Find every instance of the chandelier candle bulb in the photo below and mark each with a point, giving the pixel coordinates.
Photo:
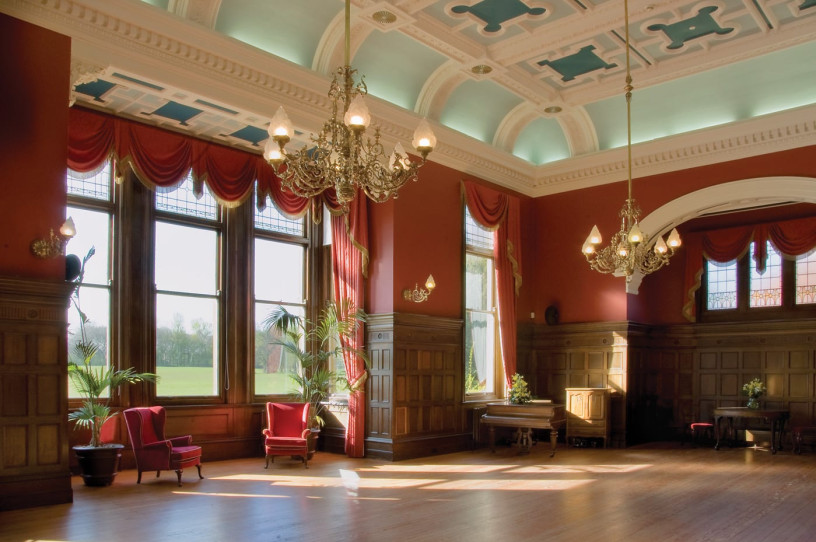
(660, 246)
(424, 138)
(68, 229)
(674, 238)
(357, 117)
(635, 235)
(595, 236)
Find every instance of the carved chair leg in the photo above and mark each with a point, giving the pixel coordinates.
(178, 473)
(139, 477)
(199, 471)
(267, 462)
(157, 473)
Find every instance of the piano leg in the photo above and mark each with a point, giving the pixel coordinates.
(553, 441)
(492, 439)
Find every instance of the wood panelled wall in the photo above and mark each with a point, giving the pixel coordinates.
(554, 358)
(415, 387)
(664, 377)
(33, 406)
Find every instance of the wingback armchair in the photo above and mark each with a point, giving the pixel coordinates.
(155, 452)
(287, 431)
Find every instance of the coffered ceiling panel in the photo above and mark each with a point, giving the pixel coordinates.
(526, 93)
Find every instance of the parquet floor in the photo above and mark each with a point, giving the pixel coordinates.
(651, 493)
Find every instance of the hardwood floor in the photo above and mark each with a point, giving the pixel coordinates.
(659, 492)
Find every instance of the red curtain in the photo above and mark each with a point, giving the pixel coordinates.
(501, 213)
(790, 238)
(350, 267)
(162, 159)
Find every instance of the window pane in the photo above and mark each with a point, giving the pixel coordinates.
(475, 235)
(279, 271)
(92, 230)
(95, 303)
(186, 345)
(806, 279)
(94, 185)
(186, 259)
(273, 366)
(721, 285)
(766, 289)
(270, 219)
(479, 345)
(478, 282)
(181, 200)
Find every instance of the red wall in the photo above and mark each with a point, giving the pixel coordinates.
(33, 144)
(418, 234)
(563, 222)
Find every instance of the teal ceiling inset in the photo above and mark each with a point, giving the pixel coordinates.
(542, 141)
(571, 66)
(476, 108)
(95, 89)
(496, 12)
(251, 134)
(695, 27)
(176, 111)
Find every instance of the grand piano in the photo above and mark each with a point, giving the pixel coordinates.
(540, 414)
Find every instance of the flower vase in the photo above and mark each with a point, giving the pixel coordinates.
(753, 402)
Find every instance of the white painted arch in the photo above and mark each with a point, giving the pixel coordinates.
(731, 196)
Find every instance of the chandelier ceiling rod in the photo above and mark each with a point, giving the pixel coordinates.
(340, 156)
(629, 250)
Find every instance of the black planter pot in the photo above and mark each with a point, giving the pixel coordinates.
(99, 465)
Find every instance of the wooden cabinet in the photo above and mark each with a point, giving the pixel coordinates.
(588, 413)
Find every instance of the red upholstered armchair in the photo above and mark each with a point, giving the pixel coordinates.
(287, 432)
(155, 452)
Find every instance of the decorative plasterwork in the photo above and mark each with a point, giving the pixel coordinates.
(138, 39)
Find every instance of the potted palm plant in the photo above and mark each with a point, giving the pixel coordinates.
(315, 345)
(95, 383)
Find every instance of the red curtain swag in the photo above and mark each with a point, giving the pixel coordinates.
(162, 159)
(349, 265)
(501, 213)
(790, 238)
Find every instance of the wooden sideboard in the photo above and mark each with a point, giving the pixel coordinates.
(588, 413)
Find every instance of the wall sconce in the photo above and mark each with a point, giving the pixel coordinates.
(418, 295)
(55, 244)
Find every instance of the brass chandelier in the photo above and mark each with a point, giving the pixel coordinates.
(340, 155)
(629, 251)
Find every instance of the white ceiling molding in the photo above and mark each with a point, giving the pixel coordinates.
(775, 132)
(138, 39)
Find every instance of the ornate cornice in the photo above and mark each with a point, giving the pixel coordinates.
(137, 38)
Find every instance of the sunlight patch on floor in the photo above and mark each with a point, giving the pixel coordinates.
(221, 494)
(508, 485)
(572, 469)
(437, 468)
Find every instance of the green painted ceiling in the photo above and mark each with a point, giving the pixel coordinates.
(694, 63)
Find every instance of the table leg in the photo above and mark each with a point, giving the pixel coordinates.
(717, 431)
(553, 440)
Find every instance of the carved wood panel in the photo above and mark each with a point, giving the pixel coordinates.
(33, 393)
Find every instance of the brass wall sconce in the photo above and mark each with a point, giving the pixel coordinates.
(55, 244)
(418, 295)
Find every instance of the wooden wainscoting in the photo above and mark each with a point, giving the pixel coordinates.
(33, 389)
(682, 373)
(415, 388)
(554, 358)
(664, 377)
